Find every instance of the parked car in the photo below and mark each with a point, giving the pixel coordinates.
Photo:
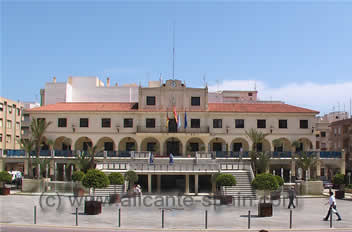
(327, 184)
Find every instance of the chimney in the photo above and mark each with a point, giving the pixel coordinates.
(54, 79)
(108, 82)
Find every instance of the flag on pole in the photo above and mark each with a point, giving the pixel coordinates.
(185, 119)
(175, 115)
(167, 120)
(178, 121)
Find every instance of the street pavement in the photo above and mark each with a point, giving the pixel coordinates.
(52, 210)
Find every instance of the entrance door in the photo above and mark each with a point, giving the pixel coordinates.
(172, 126)
(108, 146)
(217, 146)
(237, 147)
(173, 147)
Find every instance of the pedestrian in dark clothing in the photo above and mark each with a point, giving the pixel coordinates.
(291, 197)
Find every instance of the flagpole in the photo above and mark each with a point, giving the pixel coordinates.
(173, 52)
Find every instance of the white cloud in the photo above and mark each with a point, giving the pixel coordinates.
(316, 96)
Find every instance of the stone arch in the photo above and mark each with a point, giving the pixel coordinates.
(106, 144)
(128, 144)
(173, 145)
(306, 144)
(150, 144)
(83, 143)
(284, 144)
(236, 147)
(217, 144)
(62, 143)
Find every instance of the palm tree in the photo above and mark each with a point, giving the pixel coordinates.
(277, 143)
(256, 137)
(38, 129)
(50, 144)
(262, 163)
(306, 161)
(27, 145)
(92, 151)
(295, 145)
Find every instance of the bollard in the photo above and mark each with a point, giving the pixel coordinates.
(206, 219)
(290, 218)
(119, 220)
(249, 219)
(162, 218)
(76, 216)
(331, 217)
(35, 215)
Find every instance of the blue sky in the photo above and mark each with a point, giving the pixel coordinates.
(297, 51)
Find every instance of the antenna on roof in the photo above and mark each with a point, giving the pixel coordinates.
(217, 85)
(161, 79)
(205, 81)
(173, 51)
(255, 85)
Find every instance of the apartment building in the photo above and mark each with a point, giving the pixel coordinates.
(10, 124)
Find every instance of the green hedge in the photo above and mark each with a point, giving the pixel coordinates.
(95, 179)
(265, 181)
(78, 176)
(226, 180)
(116, 178)
(339, 179)
(5, 177)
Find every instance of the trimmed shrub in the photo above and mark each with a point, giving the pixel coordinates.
(77, 176)
(226, 180)
(339, 179)
(95, 179)
(116, 178)
(131, 177)
(279, 180)
(265, 181)
(5, 177)
(349, 186)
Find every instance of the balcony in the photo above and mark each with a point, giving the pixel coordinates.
(330, 155)
(162, 129)
(144, 167)
(231, 154)
(284, 154)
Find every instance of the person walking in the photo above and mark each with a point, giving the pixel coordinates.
(171, 158)
(332, 203)
(291, 197)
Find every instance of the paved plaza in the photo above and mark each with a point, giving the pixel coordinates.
(16, 209)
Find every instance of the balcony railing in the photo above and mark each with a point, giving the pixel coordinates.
(330, 154)
(282, 154)
(174, 167)
(231, 154)
(163, 129)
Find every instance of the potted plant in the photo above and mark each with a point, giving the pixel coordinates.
(77, 177)
(5, 178)
(225, 180)
(94, 179)
(132, 178)
(339, 180)
(115, 178)
(275, 195)
(265, 182)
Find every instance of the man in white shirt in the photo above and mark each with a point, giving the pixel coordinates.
(332, 203)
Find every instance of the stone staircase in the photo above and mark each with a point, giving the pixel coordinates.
(111, 189)
(243, 189)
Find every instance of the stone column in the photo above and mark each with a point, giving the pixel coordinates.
(343, 162)
(318, 168)
(158, 183)
(196, 184)
(161, 148)
(213, 187)
(293, 170)
(1, 164)
(149, 183)
(187, 183)
(25, 167)
(52, 169)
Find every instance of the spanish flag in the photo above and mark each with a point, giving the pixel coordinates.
(175, 115)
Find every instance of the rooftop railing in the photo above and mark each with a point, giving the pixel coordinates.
(163, 129)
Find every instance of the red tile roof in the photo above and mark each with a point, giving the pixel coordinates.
(258, 108)
(212, 107)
